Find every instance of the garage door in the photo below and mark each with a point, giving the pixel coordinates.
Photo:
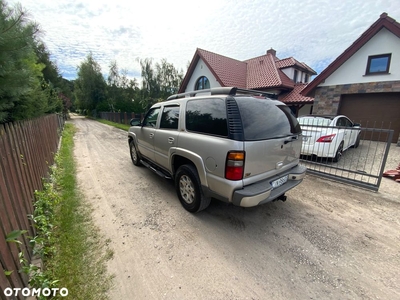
(377, 110)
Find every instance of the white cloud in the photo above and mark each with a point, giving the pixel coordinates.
(314, 32)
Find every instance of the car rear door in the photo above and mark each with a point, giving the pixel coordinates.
(167, 135)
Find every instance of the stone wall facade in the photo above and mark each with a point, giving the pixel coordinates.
(327, 98)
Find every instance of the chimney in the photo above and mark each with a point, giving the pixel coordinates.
(271, 51)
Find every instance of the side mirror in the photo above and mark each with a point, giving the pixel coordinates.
(356, 125)
(134, 122)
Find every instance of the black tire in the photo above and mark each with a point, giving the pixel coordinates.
(135, 155)
(357, 143)
(339, 153)
(188, 189)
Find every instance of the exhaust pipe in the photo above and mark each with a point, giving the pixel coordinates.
(282, 197)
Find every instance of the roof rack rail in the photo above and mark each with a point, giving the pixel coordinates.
(232, 91)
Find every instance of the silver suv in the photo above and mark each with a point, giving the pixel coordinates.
(234, 145)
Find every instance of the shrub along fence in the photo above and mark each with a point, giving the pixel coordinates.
(120, 117)
(27, 150)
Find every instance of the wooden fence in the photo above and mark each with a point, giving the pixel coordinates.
(27, 150)
(120, 117)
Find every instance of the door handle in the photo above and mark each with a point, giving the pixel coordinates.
(171, 140)
(151, 135)
(291, 139)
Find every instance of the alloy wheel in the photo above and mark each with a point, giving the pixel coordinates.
(187, 189)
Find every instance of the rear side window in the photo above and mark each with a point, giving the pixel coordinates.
(207, 116)
(264, 119)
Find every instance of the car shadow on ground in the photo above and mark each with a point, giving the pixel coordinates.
(227, 215)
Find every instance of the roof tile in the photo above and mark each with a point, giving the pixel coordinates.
(291, 62)
(229, 72)
(262, 72)
(294, 95)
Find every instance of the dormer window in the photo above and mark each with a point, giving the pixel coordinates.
(378, 64)
(295, 76)
(306, 78)
(202, 83)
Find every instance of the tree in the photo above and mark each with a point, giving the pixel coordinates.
(20, 73)
(90, 86)
(121, 91)
(50, 71)
(118, 92)
(65, 89)
(52, 78)
(113, 89)
(168, 78)
(129, 91)
(29, 81)
(150, 89)
(158, 83)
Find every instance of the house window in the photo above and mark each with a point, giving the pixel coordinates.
(202, 83)
(295, 76)
(306, 78)
(378, 64)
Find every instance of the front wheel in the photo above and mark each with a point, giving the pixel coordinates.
(357, 143)
(188, 189)
(135, 155)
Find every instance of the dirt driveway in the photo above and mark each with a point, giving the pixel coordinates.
(327, 241)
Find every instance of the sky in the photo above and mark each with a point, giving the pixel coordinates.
(312, 31)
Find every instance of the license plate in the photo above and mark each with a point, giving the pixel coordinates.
(279, 182)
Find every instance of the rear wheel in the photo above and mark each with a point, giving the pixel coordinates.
(135, 155)
(339, 153)
(188, 189)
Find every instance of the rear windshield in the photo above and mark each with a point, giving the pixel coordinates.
(266, 119)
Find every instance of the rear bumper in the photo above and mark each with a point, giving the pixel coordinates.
(319, 149)
(262, 192)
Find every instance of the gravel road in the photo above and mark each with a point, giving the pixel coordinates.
(327, 241)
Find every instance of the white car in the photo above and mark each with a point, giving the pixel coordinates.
(328, 136)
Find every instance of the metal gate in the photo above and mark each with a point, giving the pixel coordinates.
(362, 166)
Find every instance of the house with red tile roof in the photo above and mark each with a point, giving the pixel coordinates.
(364, 81)
(284, 77)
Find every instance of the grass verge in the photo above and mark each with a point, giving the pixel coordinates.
(81, 253)
(117, 125)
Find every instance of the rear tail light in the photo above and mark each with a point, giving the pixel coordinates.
(234, 166)
(326, 138)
